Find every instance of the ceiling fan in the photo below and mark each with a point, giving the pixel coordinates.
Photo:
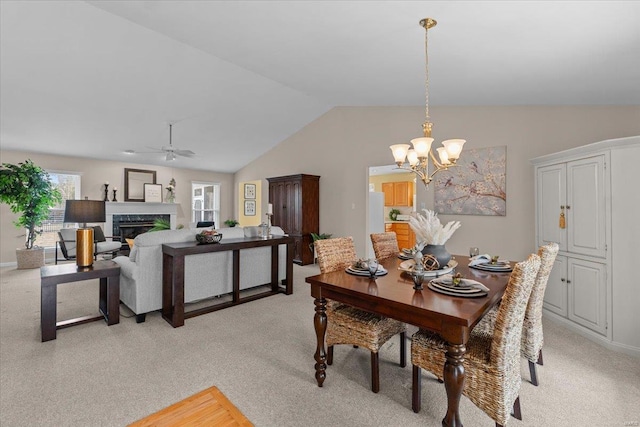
(170, 151)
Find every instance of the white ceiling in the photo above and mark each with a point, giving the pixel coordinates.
(96, 78)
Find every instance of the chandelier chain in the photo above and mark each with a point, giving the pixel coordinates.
(426, 61)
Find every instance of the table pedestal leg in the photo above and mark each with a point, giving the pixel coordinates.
(454, 383)
(320, 324)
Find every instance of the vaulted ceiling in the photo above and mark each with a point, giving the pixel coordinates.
(97, 78)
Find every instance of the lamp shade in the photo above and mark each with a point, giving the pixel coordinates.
(83, 211)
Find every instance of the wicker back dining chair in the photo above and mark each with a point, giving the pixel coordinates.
(385, 245)
(532, 336)
(492, 361)
(350, 325)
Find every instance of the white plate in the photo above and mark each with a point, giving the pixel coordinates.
(493, 267)
(456, 289)
(446, 291)
(364, 272)
(408, 267)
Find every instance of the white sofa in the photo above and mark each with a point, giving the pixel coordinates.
(206, 275)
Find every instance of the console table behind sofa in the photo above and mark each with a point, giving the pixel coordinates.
(206, 274)
(173, 262)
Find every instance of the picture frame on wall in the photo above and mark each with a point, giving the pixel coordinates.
(249, 207)
(153, 193)
(249, 191)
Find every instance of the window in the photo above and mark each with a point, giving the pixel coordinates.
(205, 202)
(68, 183)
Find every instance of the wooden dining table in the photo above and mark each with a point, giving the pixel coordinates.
(392, 295)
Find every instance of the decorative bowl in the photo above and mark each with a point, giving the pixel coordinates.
(208, 238)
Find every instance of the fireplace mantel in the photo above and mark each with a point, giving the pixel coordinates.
(129, 208)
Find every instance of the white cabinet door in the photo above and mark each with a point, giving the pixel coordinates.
(555, 296)
(551, 194)
(586, 207)
(587, 286)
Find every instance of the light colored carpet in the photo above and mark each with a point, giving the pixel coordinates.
(260, 355)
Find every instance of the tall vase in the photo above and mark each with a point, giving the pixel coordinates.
(439, 252)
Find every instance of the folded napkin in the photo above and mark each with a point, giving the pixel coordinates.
(380, 270)
(447, 280)
(479, 259)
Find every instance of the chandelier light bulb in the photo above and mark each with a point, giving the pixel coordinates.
(444, 156)
(454, 147)
(400, 152)
(422, 146)
(412, 157)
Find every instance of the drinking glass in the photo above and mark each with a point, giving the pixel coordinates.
(373, 266)
(473, 251)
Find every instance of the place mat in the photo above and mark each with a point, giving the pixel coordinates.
(209, 407)
(456, 292)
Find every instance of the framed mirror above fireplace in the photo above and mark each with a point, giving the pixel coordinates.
(134, 181)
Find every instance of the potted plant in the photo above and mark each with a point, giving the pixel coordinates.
(231, 223)
(28, 191)
(161, 224)
(315, 237)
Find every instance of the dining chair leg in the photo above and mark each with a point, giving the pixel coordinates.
(533, 373)
(416, 389)
(403, 350)
(517, 414)
(330, 355)
(375, 372)
(540, 358)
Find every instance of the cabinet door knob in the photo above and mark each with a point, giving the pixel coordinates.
(568, 207)
(563, 280)
(568, 281)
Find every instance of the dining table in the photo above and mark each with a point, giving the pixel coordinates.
(393, 295)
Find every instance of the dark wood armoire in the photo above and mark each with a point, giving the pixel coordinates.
(296, 209)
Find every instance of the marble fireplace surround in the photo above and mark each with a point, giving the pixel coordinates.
(139, 208)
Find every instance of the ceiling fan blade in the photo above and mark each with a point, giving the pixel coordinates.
(186, 153)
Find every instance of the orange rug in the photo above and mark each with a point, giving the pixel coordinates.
(207, 408)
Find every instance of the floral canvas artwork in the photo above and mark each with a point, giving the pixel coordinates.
(476, 186)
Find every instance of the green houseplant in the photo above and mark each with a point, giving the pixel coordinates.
(28, 190)
(231, 223)
(161, 224)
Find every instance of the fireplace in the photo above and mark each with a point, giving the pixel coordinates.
(128, 219)
(129, 226)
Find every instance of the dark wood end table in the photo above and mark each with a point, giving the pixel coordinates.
(52, 275)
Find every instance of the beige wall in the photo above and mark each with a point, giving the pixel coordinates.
(342, 144)
(95, 173)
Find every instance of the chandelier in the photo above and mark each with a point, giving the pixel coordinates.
(416, 159)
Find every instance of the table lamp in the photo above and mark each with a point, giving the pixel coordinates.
(82, 212)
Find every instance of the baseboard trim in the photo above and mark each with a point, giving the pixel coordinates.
(593, 336)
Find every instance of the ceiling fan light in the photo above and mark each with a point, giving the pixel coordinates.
(170, 156)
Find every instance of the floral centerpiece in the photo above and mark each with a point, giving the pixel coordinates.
(431, 235)
(171, 191)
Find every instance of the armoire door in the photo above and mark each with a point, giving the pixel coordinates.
(586, 201)
(588, 294)
(555, 295)
(551, 204)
